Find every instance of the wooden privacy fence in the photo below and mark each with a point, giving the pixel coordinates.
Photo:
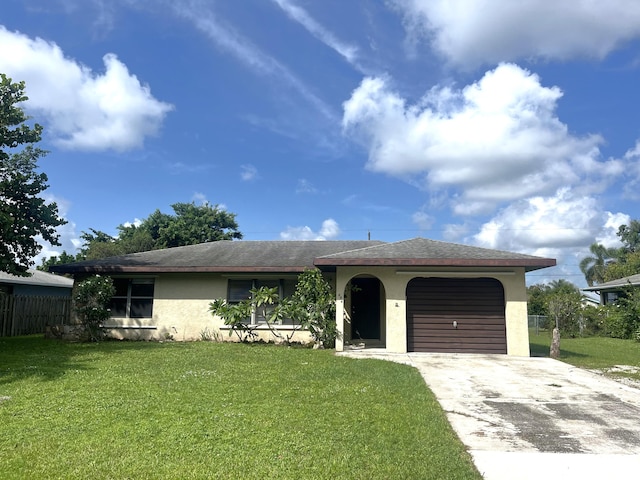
(25, 315)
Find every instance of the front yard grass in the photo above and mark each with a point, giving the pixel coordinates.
(595, 353)
(208, 410)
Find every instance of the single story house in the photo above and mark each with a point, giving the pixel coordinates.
(611, 291)
(38, 283)
(411, 295)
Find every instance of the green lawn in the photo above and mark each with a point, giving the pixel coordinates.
(206, 410)
(601, 353)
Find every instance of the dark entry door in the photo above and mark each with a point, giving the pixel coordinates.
(365, 308)
(456, 315)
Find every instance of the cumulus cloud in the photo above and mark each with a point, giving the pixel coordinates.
(329, 230)
(469, 33)
(494, 141)
(82, 109)
(608, 235)
(566, 220)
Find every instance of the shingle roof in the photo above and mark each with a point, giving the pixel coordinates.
(221, 256)
(425, 252)
(295, 256)
(37, 278)
(633, 280)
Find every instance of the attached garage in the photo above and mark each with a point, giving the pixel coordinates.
(464, 315)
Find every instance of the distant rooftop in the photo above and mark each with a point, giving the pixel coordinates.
(37, 278)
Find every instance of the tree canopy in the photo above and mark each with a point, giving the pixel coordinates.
(189, 225)
(606, 264)
(24, 216)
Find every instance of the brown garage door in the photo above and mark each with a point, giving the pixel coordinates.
(456, 315)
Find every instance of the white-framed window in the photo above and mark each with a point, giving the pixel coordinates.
(133, 298)
(240, 289)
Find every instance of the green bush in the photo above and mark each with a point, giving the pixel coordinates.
(91, 302)
(593, 321)
(623, 317)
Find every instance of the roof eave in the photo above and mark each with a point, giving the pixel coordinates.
(529, 264)
(137, 269)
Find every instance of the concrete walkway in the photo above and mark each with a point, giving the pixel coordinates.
(533, 418)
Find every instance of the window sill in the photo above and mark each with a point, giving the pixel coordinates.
(262, 327)
(131, 327)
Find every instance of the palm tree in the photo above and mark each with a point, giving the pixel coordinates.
(593, 267)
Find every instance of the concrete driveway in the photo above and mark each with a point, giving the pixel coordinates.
(534, 418)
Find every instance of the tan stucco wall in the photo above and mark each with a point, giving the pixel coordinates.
(395, 282)
(181, 310)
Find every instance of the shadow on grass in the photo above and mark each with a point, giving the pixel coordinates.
(539, 346)
(49, 359)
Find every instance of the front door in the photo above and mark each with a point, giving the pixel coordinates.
(365, 309)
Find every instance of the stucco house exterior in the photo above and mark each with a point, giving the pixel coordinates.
(411, 295)
(610, 291)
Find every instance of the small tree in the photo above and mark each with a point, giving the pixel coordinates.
(564, 307)
(91, 302)
(237, 316)
(313, 305)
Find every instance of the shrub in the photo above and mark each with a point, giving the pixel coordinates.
(623, 317)
(91, 303)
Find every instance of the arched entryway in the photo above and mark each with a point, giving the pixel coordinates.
(366, 311)
(465, 315)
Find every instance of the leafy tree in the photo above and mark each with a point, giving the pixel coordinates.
(23, 214)
(63, 258)
(190, 225)
(593, 267)
(91, 302)
(564, 307)
(313, 305)
(630, 236)
(627, 266)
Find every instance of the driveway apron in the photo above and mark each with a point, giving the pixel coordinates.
(534, 418)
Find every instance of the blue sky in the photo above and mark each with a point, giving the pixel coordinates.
(514, 128)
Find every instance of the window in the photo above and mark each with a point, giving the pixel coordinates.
(239, 290)
(133, 298)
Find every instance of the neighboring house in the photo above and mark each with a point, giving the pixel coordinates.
(611, 291)
(29, 304)
(38, 283)
(412, 295)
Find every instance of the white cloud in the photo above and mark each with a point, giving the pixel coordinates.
(305, 186)
(423, 220)
(632, 168)
(240, 47)
(608, 235)
(493, 141)
(68, 237)
(470, 33)
(300, 15)
(199, 198)
(248, 173)
(136, 223)
(329, 229)
(454, 232)
(83, 109)
(567, 221)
